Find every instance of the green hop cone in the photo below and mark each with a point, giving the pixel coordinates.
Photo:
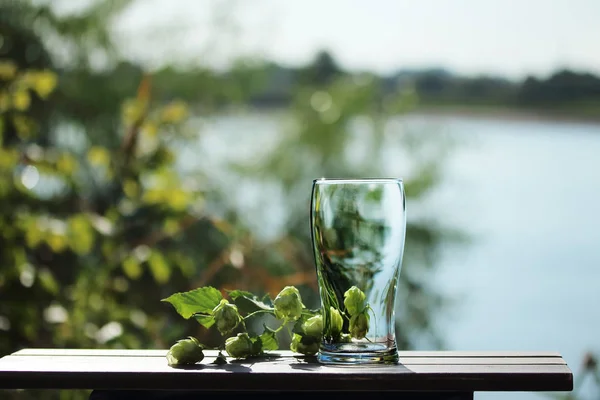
(314, 326)
(308, 345)
(359, 325)
(239, 346)
(226, 317)
(185, 351)
(354, 301)
(336, 322)
(288, 304)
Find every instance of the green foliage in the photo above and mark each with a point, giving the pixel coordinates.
(97, 216)
(201, 303)
(268, 339)
(92, 206)
(287, 309)
(198, 301)
(75, 226)
(247, 302)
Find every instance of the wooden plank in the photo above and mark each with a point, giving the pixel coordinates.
(280, 373)
(287, 353)
(95, 352)
(403, 360)
(408, 358)
(280, 365)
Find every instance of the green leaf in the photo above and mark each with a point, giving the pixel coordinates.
(197, 301)
(246, 302)
(159, 267)
(80, 234)
(98, 156)
(234, 294)
(48, 281)
(205, 320)
(269, 339)
(132, 268)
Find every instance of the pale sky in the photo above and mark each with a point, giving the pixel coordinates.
(512, 38)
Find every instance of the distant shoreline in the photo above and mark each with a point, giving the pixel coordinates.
(505, 113)
(468, 111)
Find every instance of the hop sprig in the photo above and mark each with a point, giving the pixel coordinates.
(208, 307)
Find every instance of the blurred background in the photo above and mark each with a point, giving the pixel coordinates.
(149, 147)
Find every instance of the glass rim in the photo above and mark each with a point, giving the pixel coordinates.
(357, 180)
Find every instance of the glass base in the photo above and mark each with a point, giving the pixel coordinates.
(357, 354)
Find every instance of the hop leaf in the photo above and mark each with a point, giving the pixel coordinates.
(248, 302)
(268, 339)
(199, 301)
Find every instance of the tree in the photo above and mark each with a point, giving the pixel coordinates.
(323, 70)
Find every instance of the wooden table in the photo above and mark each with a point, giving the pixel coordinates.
(145, 374)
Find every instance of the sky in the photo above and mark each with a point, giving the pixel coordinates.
(511, 38)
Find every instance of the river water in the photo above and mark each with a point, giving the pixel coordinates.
(528, 194)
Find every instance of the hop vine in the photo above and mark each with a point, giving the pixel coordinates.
(305, 326)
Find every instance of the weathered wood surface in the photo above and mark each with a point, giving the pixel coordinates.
(417, 372)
